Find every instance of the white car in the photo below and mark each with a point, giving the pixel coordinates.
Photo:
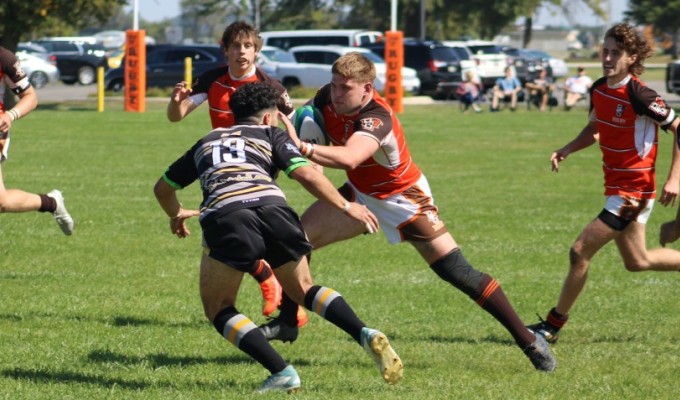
(559, 67)
(274, 61)
(318, 60)
(489, 58)
(39, 71)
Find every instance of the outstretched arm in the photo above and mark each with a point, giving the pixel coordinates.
(167, 198)
(180, 104)
(586, 138)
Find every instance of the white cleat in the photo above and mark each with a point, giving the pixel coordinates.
(377, 346)
(62, 216)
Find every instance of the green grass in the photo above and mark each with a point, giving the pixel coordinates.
(114, 312)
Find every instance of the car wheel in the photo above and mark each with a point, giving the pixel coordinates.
(116, 85)
(290, 83)
(86, 75)
(38, 79)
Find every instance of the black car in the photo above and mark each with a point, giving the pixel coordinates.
(527, 63)
(437, 65)
(77, 61)
(165, 64)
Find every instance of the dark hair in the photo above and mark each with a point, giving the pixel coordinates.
(629, 39)
(252, 98)
(241, 29)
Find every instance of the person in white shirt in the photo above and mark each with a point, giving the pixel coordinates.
(576, 88)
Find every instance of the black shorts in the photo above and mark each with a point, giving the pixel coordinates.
(273, 233)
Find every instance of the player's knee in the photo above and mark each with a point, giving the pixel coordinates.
(456, 270)
(636, 266)
(220, 320)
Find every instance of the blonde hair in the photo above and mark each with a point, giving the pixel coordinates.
(354, 65)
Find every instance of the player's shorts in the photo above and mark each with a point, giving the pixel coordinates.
(239, 238)
(620, 210)
(410, 215)
(4, 145)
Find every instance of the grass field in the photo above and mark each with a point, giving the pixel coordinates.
(113, 312)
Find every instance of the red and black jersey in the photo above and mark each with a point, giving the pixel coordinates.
(391, 169)
(11, 73)
(627, 116)
(217, 86)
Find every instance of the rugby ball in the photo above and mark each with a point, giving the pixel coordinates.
(310, 126)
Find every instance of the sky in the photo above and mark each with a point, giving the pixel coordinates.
(157, 10)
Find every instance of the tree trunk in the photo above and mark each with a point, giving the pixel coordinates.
(526, 38)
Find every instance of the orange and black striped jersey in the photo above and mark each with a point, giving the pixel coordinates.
(628, 116)
(391, 169)
(217, 85)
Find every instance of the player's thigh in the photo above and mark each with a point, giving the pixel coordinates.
(433, 250)
(325, 224)
(632, 245)
(593, 237)
(219, 284)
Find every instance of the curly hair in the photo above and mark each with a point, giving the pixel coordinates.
(252, 98)
(629, 39)
(241, 29)
(354, 65)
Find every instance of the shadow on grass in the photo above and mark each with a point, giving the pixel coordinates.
(162, 360)
(70, 377)
(115, 320)
(459, 339)
(68, 106)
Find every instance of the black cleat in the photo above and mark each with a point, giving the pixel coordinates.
(545, 330)
(279, 330)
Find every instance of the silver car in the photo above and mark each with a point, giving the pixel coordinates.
(39, 71)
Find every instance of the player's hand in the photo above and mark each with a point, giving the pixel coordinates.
(5, 122)
(668, 233)
(178, 225)
(556, 158)
(290, 129)
(669, 194)
(362, 214)
(180, 92)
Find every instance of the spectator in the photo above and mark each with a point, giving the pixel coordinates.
(470, 92)
(506, 89)
(540, 89)
(576, 88)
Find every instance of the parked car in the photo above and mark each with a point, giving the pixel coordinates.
(302, 37)
(39, 71)
(436, 65)
(321, 59)
(165, 64)
(77, 58)
(38, 51)
(467, 63)
(526, 65)
(490, 60)
(273, 59)
(673, 77)
(558, 66)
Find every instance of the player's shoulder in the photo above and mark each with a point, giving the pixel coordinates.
(210, 76)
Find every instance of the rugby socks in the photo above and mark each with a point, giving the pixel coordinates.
(47, 204)
(240, 331)
(492, 299)
(288, 313)
(555, 319)
(330, 305)
(262, 272)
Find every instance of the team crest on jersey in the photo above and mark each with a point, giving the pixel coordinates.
(658, 106)
(17, 67)
(286, 100)
(619, 110)
(370, 124)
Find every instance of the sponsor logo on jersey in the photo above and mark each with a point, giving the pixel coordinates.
(619, 110)
(658, 106)
(370, 124)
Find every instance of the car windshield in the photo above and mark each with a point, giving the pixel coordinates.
(278, 55)
(443, 53)
(462, 53)
(485, 49)
(375, 59)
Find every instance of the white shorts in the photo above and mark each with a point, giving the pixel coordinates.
(630, 208)
(409, 215)
(4, 146)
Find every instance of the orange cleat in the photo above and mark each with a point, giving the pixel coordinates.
(301, 317)
(271, 294)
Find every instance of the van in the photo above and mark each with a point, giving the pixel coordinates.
(341, 37)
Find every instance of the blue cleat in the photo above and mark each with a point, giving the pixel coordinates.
(286, 380)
